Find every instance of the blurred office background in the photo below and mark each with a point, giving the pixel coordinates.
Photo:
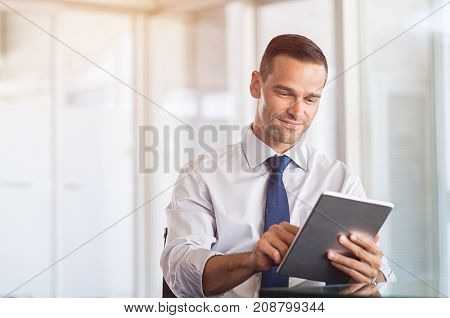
(78, 78)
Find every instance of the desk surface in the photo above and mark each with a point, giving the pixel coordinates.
(397, 289)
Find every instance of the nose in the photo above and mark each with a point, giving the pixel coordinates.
(297, 107)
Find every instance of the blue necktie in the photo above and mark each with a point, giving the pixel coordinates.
(277, 211)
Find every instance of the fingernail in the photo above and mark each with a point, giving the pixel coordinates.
(341, 238)
(330, 255)
(353, 237)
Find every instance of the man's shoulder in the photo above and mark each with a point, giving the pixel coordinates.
(322, 160)
(215, 158)
(339, 175)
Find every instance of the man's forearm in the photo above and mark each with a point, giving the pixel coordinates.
(224, 272)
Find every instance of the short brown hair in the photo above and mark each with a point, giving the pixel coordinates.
(294, 45)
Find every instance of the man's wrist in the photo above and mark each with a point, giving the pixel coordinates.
(249, 262)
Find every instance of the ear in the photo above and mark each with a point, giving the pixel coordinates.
(255, 85)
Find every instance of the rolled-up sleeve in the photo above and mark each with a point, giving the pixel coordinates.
(191, 235)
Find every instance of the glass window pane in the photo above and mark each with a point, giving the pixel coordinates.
(25, 147)
(401, 111)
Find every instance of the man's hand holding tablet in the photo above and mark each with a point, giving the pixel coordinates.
(368, 262)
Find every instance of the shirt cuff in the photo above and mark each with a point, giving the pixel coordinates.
(188, 280)
(387, 271)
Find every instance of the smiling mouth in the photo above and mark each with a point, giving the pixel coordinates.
(290, 124)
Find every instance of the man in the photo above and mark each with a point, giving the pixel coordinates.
(230, 226)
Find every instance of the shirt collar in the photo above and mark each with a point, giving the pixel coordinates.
(257, 152)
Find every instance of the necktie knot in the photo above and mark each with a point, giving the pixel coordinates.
(278, 163)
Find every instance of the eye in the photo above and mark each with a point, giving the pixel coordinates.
(283, 93)
(311, 100)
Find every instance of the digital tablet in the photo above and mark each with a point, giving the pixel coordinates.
(333, 214)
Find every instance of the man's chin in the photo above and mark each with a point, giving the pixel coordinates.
(290, 137)
(289, 140)
(285, 136)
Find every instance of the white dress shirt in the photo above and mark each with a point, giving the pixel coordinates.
(218, 207)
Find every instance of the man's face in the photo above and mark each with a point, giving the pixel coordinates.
(288, 100)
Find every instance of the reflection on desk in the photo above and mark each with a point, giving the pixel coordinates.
(397, 289)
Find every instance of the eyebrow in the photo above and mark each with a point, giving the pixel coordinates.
(290, 90)
(314, 95)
